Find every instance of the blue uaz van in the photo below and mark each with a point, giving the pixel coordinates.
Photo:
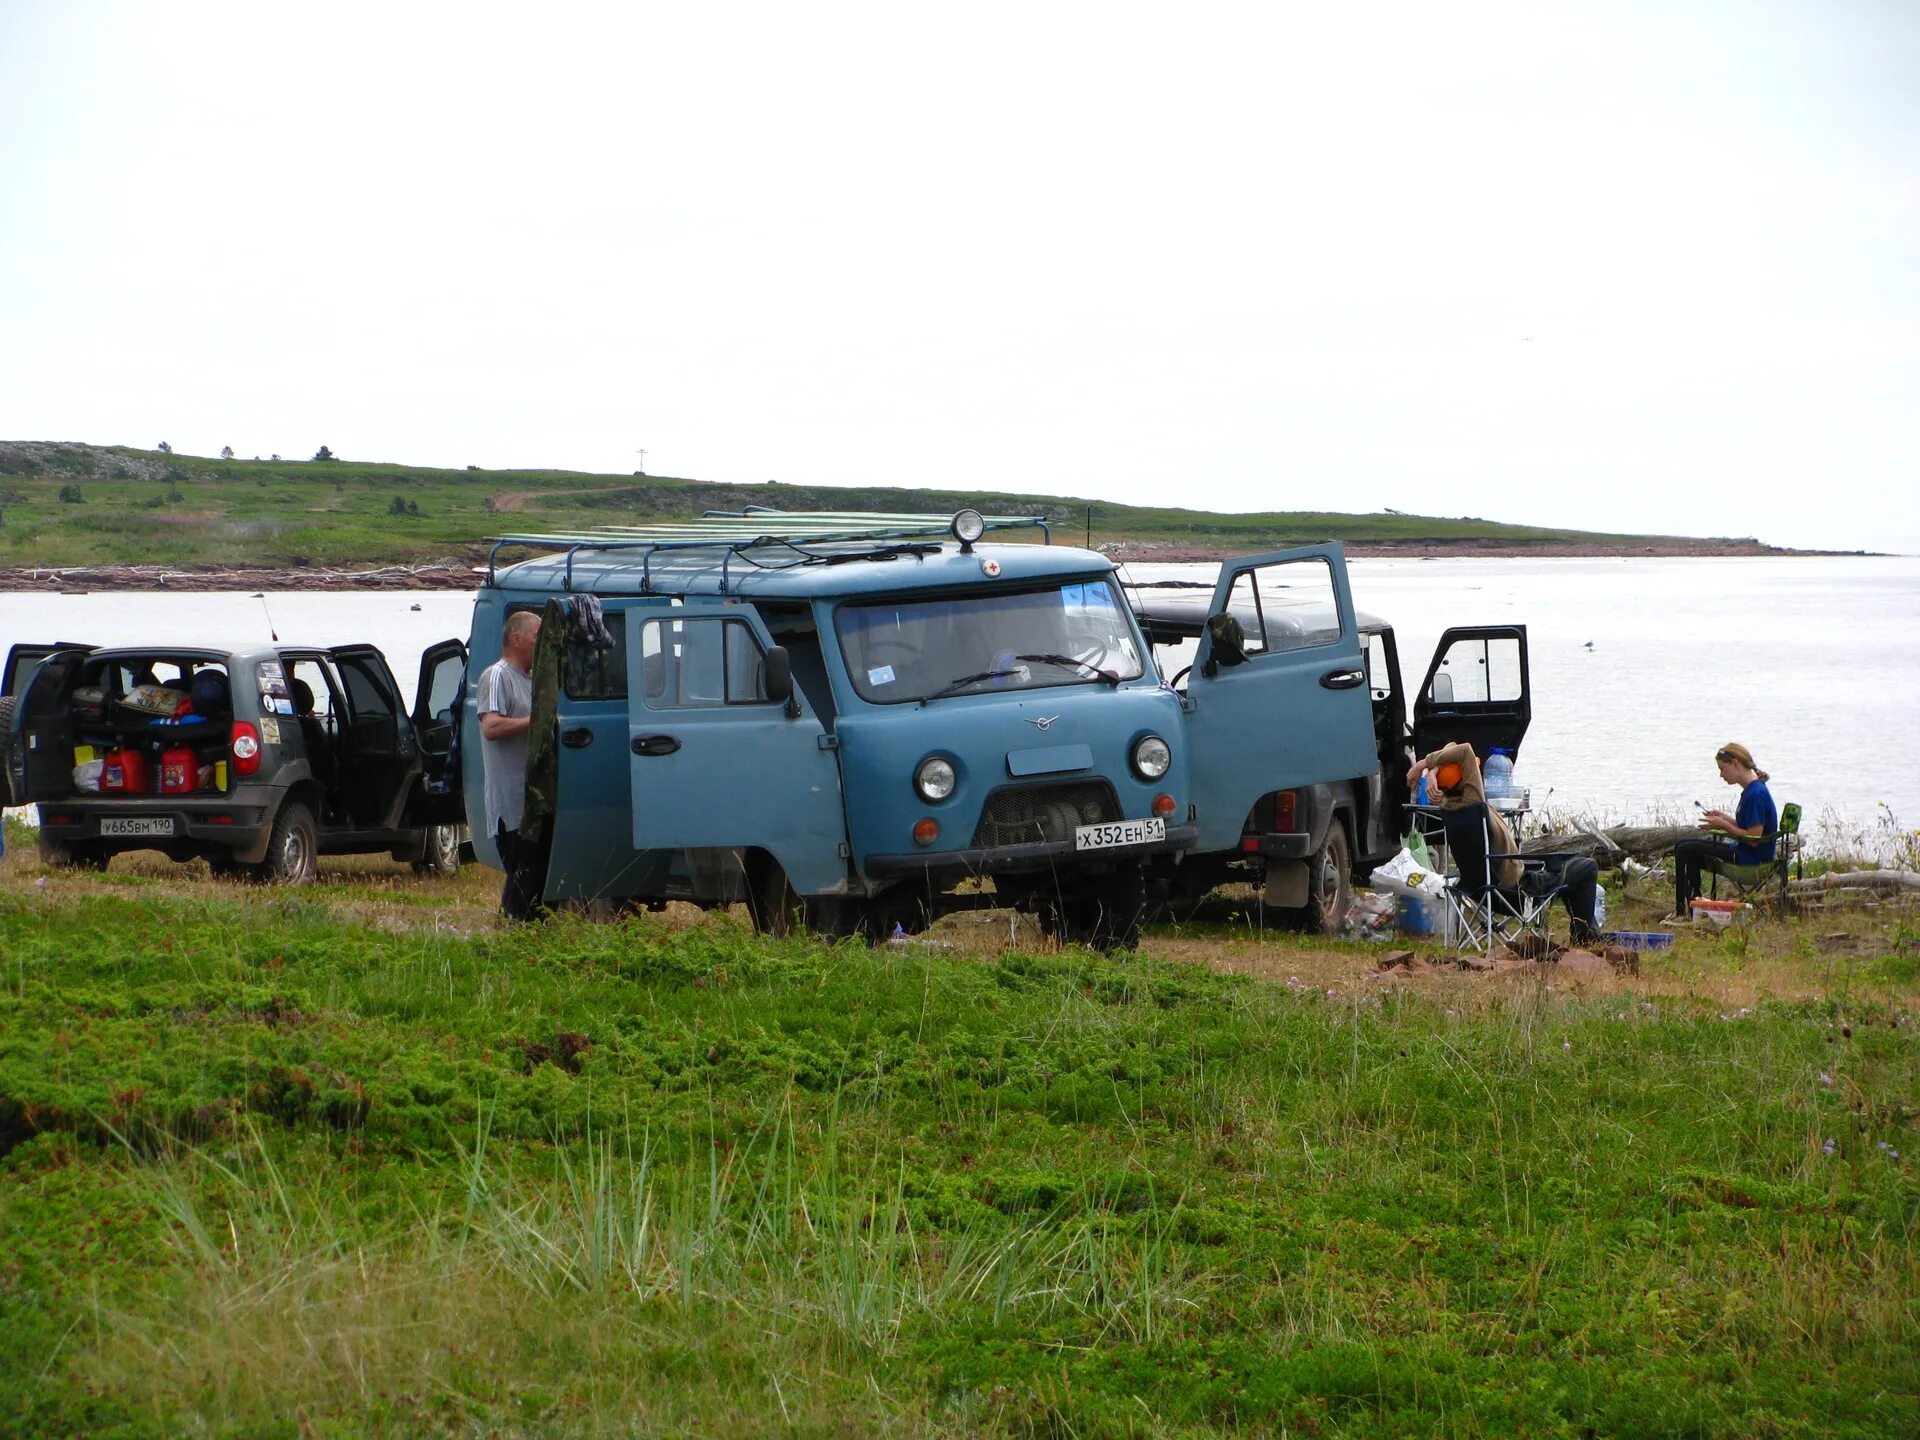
(852, 723)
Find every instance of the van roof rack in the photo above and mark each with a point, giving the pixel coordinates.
(732, 533)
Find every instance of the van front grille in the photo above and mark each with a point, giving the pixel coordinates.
(1031, 814)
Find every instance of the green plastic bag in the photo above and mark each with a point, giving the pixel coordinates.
(1416, 844)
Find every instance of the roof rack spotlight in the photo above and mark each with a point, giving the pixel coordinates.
(968, 526)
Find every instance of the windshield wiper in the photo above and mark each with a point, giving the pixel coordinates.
(966, 680)
(1112, 677)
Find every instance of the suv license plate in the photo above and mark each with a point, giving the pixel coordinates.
(160, 825)
(1119, 832)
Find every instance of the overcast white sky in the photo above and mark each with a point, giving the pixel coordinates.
(1612, 265)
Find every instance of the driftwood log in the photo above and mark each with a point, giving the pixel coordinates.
(1856, 880)
(1642, 842)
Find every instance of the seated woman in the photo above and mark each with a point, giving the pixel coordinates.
(1456, 775)
(1741, 841)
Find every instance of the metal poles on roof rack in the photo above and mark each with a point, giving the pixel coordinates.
(735, 532)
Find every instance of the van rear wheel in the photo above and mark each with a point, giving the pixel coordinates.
(1329, 888)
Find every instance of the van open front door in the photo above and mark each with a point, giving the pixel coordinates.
(1476, 690)
(1287, 704)
(716, 760)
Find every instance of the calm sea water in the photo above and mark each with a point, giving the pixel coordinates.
(1814, 664)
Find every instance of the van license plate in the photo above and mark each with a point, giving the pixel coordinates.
(162, 825)
(1119, 832)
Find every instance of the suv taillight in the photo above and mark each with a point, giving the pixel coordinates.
(1283, 807)
(246, 748)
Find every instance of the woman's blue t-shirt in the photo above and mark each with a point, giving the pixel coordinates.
(1756, 808)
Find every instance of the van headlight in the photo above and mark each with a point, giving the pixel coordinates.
(934, 779)
(1151, 757)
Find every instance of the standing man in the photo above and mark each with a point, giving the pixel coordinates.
(505, 700)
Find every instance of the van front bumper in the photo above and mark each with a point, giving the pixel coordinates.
(1011, 859)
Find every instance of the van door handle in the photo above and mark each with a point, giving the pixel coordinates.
(655, 744)
(577, 738)
(1343, 679)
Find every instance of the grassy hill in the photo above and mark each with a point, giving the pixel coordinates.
(70, 505)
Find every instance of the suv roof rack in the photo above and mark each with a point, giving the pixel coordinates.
(732, 533)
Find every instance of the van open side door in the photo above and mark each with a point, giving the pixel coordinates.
(1288, 704)
(591, 854)
(716, 760)
(1476, 690)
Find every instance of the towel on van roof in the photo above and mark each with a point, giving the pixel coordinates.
(586, 623)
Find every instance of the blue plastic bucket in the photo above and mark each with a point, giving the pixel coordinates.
(1640, 939)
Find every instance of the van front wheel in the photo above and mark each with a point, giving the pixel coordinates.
(776, 907)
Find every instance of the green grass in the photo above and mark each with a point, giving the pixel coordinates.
(268, 1174)
(145, 507)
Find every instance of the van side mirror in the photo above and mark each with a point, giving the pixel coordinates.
(779, 678)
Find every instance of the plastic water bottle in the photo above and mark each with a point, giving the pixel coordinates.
(1599, 907)
(1420, 795)
(1498, 774)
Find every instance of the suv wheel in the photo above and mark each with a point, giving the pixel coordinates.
(441, 852)
(292, 850)
(74, 855)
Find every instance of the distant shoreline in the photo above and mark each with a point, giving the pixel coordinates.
(449, 574)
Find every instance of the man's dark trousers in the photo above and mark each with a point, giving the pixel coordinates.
(526, 867)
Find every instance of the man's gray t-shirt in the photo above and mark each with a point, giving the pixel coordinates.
(505, 691)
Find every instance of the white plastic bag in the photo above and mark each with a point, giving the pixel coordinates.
(86, 776)
(1404, 875)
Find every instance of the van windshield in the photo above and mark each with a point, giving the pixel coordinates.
(921, 649)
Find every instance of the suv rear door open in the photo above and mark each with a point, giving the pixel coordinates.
(1295, 710)
(1476, 690)
(23, 659)
(40, 759)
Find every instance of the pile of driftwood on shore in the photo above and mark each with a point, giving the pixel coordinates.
(430, 575)
(1647, 843)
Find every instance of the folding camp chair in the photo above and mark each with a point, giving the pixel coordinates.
(1484, 912)
(1770, 879)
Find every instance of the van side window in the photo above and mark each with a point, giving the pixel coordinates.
(587, 674)
(702, 662)
(1288, 606)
